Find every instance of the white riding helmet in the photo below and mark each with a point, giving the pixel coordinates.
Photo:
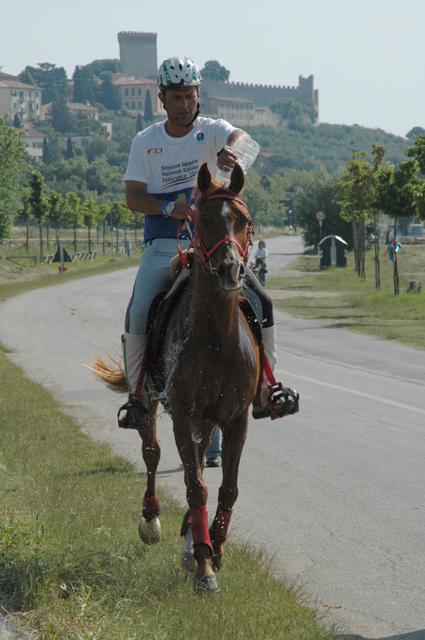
(178, 72)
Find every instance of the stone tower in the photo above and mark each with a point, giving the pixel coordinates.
(138, 55)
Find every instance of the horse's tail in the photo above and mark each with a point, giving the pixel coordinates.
(111, 374)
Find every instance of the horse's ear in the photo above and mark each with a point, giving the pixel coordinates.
(237, 181)
(204, 178)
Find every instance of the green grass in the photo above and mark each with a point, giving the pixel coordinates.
(72, 565)
(347, 302)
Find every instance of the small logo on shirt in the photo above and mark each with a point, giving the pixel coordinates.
(200, 137)
(155, 150)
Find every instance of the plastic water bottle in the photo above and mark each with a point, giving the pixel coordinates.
(246, 150)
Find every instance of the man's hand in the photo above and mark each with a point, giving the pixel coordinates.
(184, 211)
(226, 160)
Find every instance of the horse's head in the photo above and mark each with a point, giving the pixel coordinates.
(223, 228)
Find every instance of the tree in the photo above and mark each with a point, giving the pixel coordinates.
(26, 78)
(109, 94)
(417, 151)
(318, 194)
(85, 85)
(51, 150)
(104, 212)
(17, 121)
(397, 196)
(90, 214)
(148, 115)
(356, 197)
(72, 214)
(122, 216)
(13, 160)
(213, 70)
(96, 147)
(294, 112)
(69, 152)
(53, 80)
(25, 213)
(55, 201)
(139, 123)
(39, 203)
(416, 131)
(59, 116)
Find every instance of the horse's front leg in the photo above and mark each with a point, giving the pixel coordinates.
(192, 445)
(150, 526)
(233, 442)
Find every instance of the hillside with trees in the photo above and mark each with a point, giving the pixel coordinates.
(304, 147)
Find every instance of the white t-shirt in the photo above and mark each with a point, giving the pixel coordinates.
(261, 253)
(169, 166)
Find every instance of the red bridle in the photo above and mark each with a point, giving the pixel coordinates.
(198, 243)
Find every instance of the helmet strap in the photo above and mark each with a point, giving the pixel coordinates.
(198, 109)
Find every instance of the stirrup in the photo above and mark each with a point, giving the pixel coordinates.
(136, 415)
(283, 401)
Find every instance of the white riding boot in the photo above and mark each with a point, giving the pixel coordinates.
(133, 352)
(134, 413)
(269, 343)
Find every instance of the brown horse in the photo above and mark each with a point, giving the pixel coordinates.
(210, 364)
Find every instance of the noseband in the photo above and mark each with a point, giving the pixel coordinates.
(198, 243)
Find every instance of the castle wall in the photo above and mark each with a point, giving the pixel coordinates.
(138, 54)
(263, 95)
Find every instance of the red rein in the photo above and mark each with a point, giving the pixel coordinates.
(199, 246)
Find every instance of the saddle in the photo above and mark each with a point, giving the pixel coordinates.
(160, 313)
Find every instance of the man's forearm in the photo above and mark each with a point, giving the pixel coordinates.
(139, 200)
(236, 135)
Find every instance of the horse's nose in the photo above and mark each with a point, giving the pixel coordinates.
(231, 275)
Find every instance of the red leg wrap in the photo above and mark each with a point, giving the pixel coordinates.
(151, 507)
(199, 524)
(222, 526)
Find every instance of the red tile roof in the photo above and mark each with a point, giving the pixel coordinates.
(15, 84)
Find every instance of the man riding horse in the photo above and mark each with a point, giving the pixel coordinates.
(160, 182)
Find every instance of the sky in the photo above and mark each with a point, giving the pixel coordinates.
(367, 56)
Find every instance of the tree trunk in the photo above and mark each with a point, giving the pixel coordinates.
(377, 263)
(75, 238)
(89, 237)
(355, 245)
(362, 250)
(41, 242)
(396, 278)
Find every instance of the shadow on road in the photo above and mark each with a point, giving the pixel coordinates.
(413, 635)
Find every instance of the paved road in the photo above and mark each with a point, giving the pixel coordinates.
(336, 492)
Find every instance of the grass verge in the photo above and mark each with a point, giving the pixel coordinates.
(15, 280)
(71, 564)
(340, 298)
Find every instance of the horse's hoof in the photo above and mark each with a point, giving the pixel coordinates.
(216, 563)
(150, 532)
(188, 561)
(207, 584)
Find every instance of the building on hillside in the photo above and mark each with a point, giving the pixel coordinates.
(7, 76)
(138, 58)
(133, 94)
(264, 95)
(33, 140)
(83, 110)
(22, 99)
(138, 54)
(238, 111)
